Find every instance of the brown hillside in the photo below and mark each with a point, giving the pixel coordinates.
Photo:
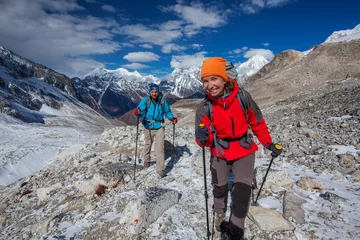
(326, 64)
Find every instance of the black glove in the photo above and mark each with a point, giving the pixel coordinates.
(276, 149)
(202, 134)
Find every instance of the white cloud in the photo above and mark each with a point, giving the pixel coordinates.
(186, 61)
(171, 25)
(135, 66)
(141, 57)
(143, 34)
(193, 19)
(46, 32)
(277, 3)
(170, 47)
(266, 53)
(59, 6)
(254, 6)
(81, 66)
(197, 16)
(108, 8)
(259, 3)
(265, 44)
(238, 50)
(126, 44)
(146, 45)
(196, 46)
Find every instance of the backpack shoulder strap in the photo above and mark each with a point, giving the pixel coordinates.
(162, 102)
(243, 102)
(208, 108)
(209, 112)
(148, 102)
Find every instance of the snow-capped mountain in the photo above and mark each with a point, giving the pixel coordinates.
(113, 92)
(250, 67)
(344, 35)
(39, 116)
(34, 93)
(187, 81)
(19, 68)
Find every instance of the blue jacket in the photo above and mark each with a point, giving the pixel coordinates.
(153, 117)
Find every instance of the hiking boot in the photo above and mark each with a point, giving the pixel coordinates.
(234, 232)
(146, 164)
(162, 174)
(219, 220)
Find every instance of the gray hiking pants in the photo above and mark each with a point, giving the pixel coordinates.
(243, 170)
(158, 136)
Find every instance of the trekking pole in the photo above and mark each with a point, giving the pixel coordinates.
(279, 147)
(172, 159)
(136, 141)
(174, 135)
(262, 184)
(213, 224)
(205, 188)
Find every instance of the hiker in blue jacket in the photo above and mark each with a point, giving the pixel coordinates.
(152, 109)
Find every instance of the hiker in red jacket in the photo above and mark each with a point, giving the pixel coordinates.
(225, 130)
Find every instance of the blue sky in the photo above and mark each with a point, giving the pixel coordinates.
(154, 37)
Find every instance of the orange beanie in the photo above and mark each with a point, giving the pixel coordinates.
(214, 66)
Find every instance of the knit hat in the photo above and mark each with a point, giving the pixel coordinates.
(214, 66)
(153, 86)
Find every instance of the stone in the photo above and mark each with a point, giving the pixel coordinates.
(43, 193)
(146, 208)
(356, 175)
(269, 220)
(293, 207)
(307, 183)
(346, 160)
(332, 197)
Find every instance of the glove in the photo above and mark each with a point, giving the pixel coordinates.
(137, 111)
(276, 149)
(174, 120)
(202, 134)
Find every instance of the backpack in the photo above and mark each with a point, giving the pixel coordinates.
(231, 71)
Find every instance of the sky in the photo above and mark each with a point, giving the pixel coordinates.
(155, 37)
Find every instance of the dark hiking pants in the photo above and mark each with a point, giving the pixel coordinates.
(242, 169)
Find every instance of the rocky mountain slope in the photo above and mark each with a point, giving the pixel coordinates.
(40, 114)
(291, 73)
(93, 190)
(89, 192)
(312, 191)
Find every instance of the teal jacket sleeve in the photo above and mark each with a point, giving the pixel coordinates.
(169, 115)
(142, 107)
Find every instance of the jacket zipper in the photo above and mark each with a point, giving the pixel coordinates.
(153, 117)
(232, 126)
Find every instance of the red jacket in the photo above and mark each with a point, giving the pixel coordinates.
(230, 122)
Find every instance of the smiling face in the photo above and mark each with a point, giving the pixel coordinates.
(214, 85)
(154, 94)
